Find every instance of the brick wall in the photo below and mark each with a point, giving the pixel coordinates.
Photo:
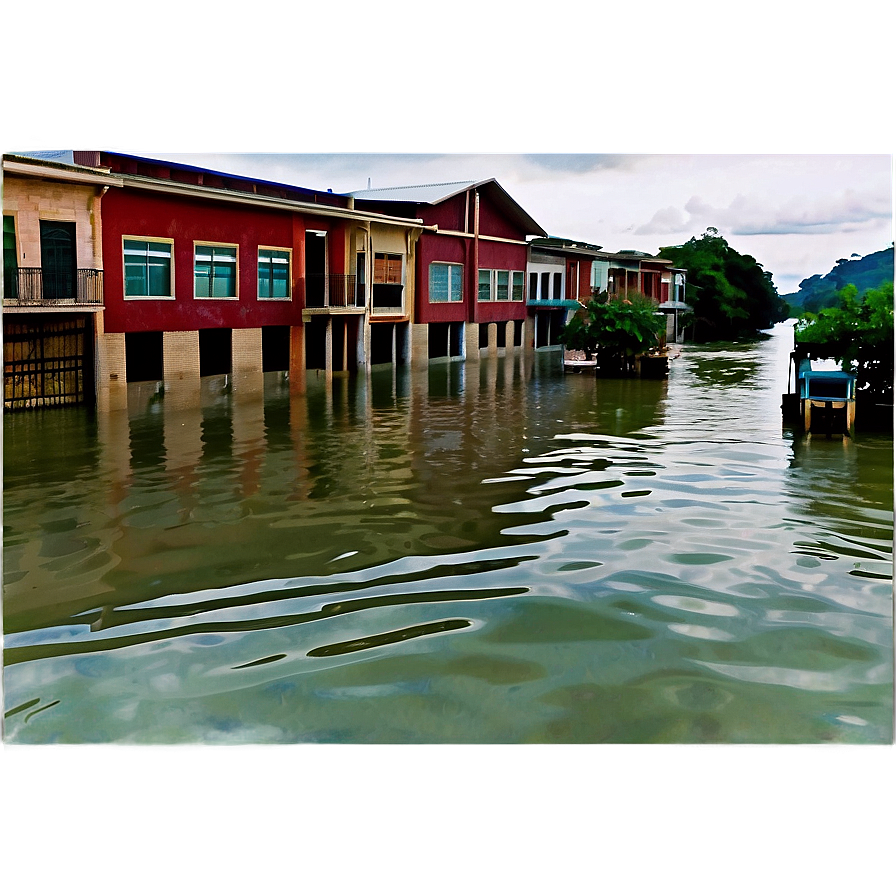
(30, 201)
(245, 351)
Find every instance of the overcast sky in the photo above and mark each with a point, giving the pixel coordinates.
(368, 92)
(796, 214)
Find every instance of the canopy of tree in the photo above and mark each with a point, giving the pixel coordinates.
(615, 330)
(732, 296)
(817, 292)
(858, 333)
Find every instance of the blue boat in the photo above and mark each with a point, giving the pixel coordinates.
(826, 398)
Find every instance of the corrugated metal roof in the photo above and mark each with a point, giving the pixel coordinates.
(428, 193)
(64, 156)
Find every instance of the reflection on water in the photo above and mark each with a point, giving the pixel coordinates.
(493, 553)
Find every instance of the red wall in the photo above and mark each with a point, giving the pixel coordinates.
(497, 255)
(142, 214)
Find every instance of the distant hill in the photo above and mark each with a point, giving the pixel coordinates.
(819, 291)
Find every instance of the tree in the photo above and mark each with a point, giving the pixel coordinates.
(858, 334)
(616, 330)
(732, 296)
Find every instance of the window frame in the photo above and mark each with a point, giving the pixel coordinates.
(212, 244)
(258, 296)
(491, 285)
(141, 238)
(449, 265)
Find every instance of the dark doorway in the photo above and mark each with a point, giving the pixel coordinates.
(215, 351)
(316, 344)
(315, 269)
(143, 356)
(274, 348)
(10, 263)
(58, 259)
(382, 343)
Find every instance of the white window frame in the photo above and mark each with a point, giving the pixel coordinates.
(212, 244)
(258, 251)
(491, 285)
(124, 275)
(450, 300)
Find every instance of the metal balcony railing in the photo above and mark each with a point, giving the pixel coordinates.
(333, 291)
(39, 287)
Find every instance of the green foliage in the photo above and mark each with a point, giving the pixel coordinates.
(858, 333)
(615, 331)
(817, 292)
(732, 296)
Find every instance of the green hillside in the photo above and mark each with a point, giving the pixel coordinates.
(819, 291)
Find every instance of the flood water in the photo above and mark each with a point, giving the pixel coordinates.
(490, 554)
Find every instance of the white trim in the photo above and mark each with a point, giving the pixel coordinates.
(482, 236)
(449, 265)
(215, 244)
(47, 173)
(124, 276)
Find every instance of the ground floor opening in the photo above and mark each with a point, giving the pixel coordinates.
(48, 360)
(445, 340)
(215, 351)
(143, 356)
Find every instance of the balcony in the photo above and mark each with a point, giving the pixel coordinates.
(326, 292)
(387, 299)
(36, 287)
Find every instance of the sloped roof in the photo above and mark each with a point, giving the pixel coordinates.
(432, 194)
(428, 194)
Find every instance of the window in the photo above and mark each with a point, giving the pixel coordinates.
(147, 268)
(215, 272)
(503, 281)
(387, 293)
(386, 268)
(558, 286)
(273, 273)
(485, 285)
(495, 286)
(10, 263)
(446, 282)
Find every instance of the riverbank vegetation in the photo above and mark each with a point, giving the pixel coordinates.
(615, 331)
(858, 334)
(817, 292)
(730, 294)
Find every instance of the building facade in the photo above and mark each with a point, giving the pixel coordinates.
(470, 296)
(212, 274)
(53, 278)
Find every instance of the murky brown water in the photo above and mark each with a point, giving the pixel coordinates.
(494, 555)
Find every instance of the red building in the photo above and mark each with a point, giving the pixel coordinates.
(470, 266)
(208, 273)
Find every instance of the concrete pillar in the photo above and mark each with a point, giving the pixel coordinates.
(493, 340)
(297, 376)
(419, 345)
(509, 332)
(245, 351)
(180, 361)
(111, 370)
(328, 363)
(471, 342)
(529, 333)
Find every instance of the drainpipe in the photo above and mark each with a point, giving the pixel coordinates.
(474, 293)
